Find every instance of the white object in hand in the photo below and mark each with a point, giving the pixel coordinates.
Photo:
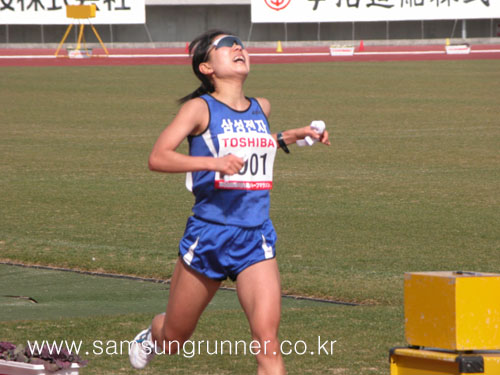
(318, 127)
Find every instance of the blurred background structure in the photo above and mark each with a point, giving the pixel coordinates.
(173, 22)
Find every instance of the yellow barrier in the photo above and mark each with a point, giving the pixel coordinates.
(452, 323)
(452, 310)
(407, 361)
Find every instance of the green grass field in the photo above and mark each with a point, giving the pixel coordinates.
(410, 183)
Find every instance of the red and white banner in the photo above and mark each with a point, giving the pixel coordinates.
(53, 12)
(298, 11)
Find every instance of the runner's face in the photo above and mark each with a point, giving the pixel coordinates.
(228, 51)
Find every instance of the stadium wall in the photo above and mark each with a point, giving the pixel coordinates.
(176, 24)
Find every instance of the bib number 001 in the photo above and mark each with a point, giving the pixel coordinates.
(253, 164)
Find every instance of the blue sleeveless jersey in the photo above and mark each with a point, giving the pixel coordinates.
(241, 199)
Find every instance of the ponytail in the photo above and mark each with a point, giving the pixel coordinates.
(199, 49)
(205, 88)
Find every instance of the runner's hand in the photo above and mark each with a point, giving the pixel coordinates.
(306, 131)
(229, 164)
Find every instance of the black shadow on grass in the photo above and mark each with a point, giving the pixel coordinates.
(63, 293)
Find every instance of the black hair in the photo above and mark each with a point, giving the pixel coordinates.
(198, 50)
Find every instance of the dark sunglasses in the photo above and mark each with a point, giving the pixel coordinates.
(227, 41)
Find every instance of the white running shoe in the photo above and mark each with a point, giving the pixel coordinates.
(142, 349)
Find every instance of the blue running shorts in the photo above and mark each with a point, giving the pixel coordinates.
(220, 251)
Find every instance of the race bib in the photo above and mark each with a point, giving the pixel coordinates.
(258, 150)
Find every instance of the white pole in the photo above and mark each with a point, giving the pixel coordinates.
(148, 33)
(111, 33)
(250, 33)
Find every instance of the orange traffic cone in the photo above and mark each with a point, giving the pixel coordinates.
(361, 47)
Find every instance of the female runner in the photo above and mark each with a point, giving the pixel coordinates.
(229, 170)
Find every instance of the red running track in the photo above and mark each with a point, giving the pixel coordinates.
(178, 56)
